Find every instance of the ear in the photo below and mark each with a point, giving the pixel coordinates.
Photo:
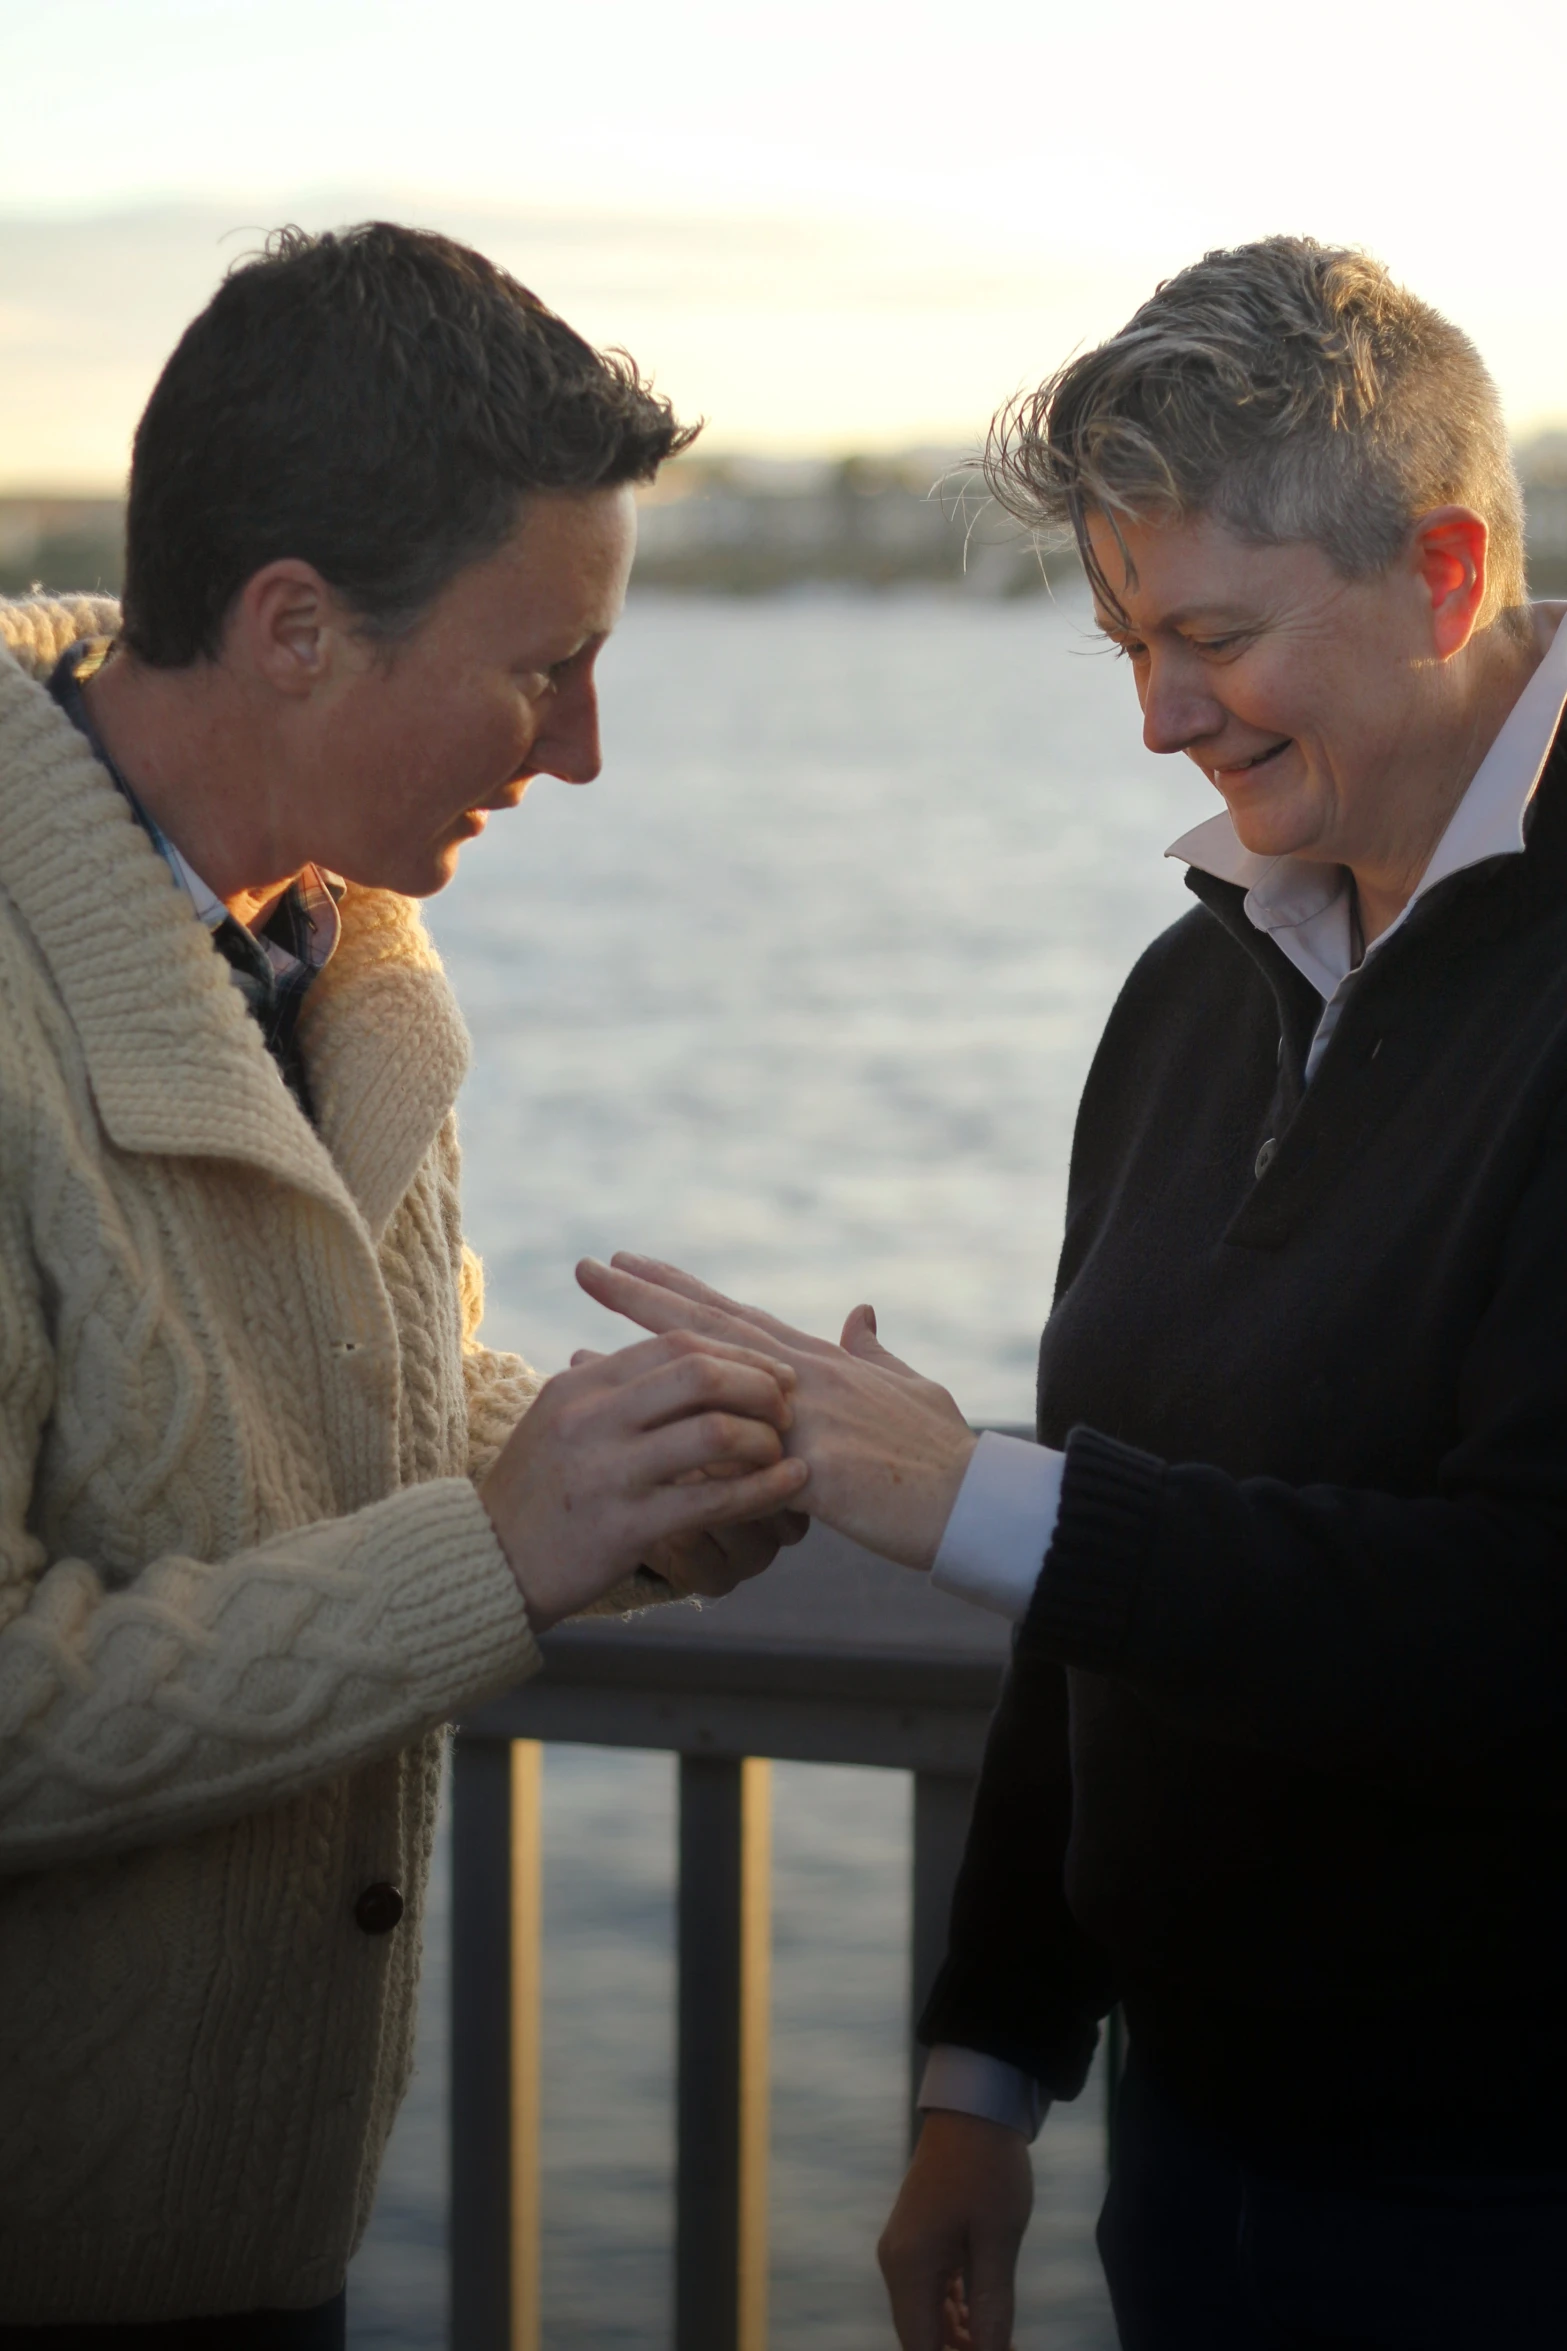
(1448, 549)
(286, 627)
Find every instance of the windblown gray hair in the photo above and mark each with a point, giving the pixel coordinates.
(1289, 389)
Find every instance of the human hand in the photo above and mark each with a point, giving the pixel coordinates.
(710, 1561)
(665, 1442)
(949, 2250)
(713, 1560)
(887, 1449)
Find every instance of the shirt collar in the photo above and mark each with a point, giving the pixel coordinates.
(316, 892)
(1306, 907)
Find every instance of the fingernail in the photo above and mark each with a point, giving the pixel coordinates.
(870, 1318)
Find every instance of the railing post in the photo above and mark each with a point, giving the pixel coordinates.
(493, 2230)
(725, 1936)
(527, 1940)
(942, 1803)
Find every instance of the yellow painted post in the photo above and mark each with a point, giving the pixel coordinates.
(756, 1959)
(527, 1926)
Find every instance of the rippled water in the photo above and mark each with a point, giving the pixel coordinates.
(800, 993)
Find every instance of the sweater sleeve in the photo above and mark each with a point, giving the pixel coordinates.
(1411, 1636)
(1021, 1981)
(136, 1709)
(500, 1386)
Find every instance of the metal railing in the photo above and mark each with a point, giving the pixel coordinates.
(833, 1656)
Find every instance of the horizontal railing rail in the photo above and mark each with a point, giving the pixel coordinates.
(834, 1656)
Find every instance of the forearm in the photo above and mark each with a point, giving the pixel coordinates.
(1021, 1982)
(1337, 1626)
(201, 1692)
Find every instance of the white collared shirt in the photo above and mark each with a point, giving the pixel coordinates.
(1306, 909)
(994, 1545)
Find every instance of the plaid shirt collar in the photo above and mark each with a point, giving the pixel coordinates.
(272, 968)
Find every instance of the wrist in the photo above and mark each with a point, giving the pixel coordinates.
(954, 1470)
(954, 2126)
(537, 1598)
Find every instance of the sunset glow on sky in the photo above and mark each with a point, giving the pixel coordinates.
(821, 225)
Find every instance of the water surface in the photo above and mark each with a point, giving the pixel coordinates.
(801, 994)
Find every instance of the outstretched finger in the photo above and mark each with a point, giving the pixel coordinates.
(700, 1293)
(658, 1308)
(676, 1343)
(859, 1339)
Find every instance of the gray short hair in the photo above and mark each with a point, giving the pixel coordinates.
(1289, 389)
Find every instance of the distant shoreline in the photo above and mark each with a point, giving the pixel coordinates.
(751, 527)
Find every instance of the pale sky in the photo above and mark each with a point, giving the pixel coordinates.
(828, 224)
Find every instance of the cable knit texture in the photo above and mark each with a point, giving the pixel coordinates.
(243, 1570)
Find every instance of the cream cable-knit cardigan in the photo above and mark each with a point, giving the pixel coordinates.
(243, 1570)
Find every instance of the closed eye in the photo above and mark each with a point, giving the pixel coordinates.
(542, 681)
(1219, 646)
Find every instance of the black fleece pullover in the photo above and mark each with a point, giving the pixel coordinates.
(1282, 1759)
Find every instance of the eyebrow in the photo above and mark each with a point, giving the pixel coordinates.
(1184, 616)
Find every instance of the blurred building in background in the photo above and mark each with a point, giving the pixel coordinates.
(60, 543)
(745, 526)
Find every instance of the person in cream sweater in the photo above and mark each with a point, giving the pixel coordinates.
(270, 1511)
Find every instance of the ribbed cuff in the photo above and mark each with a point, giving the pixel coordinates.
(1094, 1568)
(458, 1614)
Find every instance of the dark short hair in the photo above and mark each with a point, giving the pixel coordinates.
(378, 402)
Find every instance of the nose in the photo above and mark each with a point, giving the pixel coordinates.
(1179, 707)
(569, 745)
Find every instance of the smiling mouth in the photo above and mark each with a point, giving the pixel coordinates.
(1250, 766)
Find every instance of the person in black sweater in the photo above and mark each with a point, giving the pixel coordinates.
(1281, 1762)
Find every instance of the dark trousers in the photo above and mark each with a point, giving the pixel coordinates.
(1209, 2249)
(321, 2329)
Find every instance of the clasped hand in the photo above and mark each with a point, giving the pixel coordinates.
(886, 1449)
(669, 1454)
(696, 1451)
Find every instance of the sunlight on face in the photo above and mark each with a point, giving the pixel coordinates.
(493, 687)
(1293, 689)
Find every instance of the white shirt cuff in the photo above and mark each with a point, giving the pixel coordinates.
(965, 2081)
(1001, 1525)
